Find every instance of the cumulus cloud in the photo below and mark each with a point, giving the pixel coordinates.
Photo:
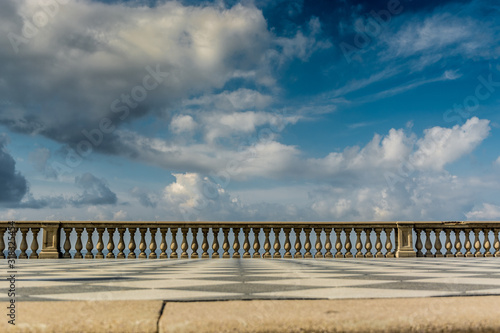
(196, 196)
(441, 146)
(14, 186)
(485, 212)
(265, 157)
(199, 47)
(130, 62)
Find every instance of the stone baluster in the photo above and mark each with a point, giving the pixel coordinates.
(458, 244)
(468, 245)
(277, 245)
(388, 243)
(288, 245)
(447, 243)
(24, 245)
(152, 245)
(368, 245)
(78, 245)
(496, 242)
(487, 244)
(173, 245)
(225, 244)
(298, 245)
(100, 244)
(428, 244)
(111, 243)
(204, 244)
(236, 243)
(477, 243)
(215, 244)
(418, 242)
(307, 244)
(256, 243)
(34, 243)
(338, 243)
(359, 244)
(348, 244)
(246, 243)
(184, 243)
(131, 244)
(67, 243)
(267, 243)
(163, 244)
(142, 243)
(378, 243)
(2, 243)
(90, 245)
(438, 246)
(194, 244)
(328, 243)
(318, 246)
(121, 244)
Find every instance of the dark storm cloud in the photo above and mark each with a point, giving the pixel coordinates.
(95, 61)
(95, 191)
(13, 185)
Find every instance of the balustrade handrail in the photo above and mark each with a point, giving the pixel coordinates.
(402, 238)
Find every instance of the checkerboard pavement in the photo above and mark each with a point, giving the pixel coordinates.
(242, 279)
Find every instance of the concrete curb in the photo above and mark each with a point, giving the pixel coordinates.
(443, 314)
(439, 314)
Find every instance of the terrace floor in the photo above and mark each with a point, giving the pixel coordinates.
(252, 279)
(256, 295)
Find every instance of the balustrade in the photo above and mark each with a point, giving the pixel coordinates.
(253, 239)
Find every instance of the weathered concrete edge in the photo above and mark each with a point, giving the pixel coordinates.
(431, 314)
(435, 314)
(85, 316)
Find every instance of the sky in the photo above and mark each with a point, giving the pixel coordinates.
(262, 110)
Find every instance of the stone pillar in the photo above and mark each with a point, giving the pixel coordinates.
(51, 241)
(405, 241)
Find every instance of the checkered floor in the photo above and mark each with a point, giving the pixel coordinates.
(188, 280)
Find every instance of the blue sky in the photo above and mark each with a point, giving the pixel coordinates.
(249, 110)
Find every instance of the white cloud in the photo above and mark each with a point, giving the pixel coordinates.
(120, 215)
(237, 100)
(302, 46)
(182, 124)
(486, 212)
(265, 157)
(217, 125)
(441, 146)
(438, 32)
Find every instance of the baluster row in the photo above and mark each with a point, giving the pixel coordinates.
(482, 245)
(23, 247)
(362, 248)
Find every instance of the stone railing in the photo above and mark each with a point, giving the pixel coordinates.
(247, 239)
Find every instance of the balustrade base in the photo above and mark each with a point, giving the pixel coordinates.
(50, 255)
(406, 254)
